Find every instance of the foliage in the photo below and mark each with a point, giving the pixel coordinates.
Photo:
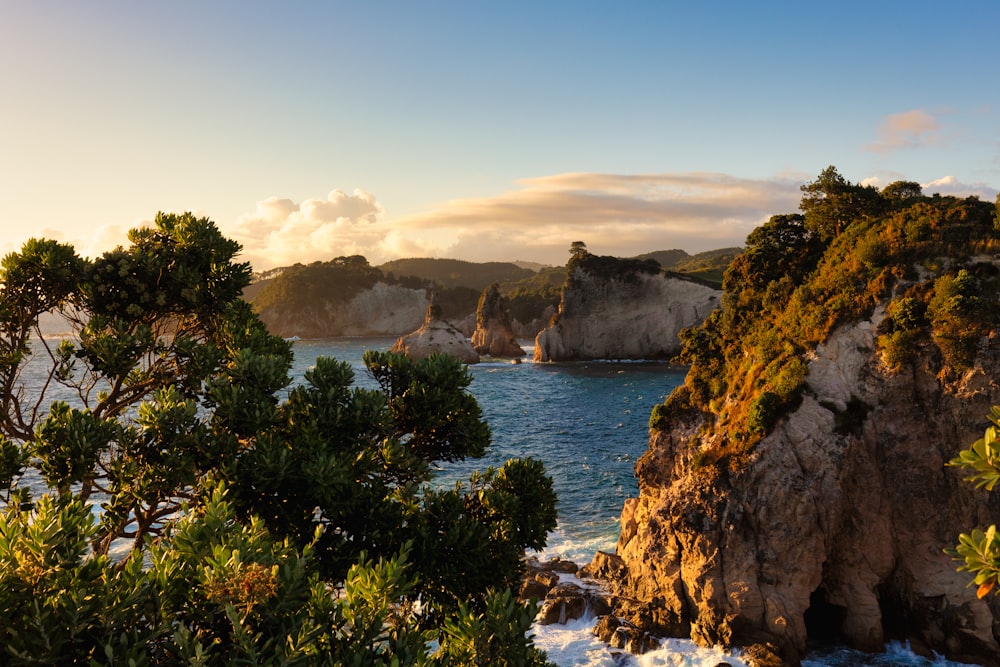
(831, 203)
(201, 511)
(449, 273)
(609, 268)
(800, 276)
(980, 551)
(312, 288)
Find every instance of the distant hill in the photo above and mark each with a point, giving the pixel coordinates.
(708, 266)
(667, 259)
(450, 273)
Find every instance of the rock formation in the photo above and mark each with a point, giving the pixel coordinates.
(832, 527)
(623, 314)
(493, 335)
(436, 336)
(378, 311)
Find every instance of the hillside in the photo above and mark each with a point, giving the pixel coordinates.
(708, 266)
(795, 487)
(327, 298)
(449, 273)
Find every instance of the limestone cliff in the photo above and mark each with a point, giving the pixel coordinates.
(494, 335)
(377, 311)
(622, 313)
(795, 488)
(436, 336)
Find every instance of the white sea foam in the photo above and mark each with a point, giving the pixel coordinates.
(574, 645)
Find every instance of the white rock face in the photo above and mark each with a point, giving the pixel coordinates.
(436, 336)
(611, 319)
(383, 310)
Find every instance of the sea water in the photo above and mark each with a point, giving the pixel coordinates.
(587, 422)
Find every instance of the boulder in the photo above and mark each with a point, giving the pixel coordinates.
(436, 336)
(494, 335)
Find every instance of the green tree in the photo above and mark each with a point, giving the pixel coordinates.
(239, 520)
(831, 202)
(902, 191)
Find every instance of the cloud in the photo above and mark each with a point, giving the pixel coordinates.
(909, 129)
(613, 214)
(280, 232)
(951, 186)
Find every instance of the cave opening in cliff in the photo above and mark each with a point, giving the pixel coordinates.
(824, 620)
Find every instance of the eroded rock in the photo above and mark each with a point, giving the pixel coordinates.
(436, 336)
(834, 523)
(494, 335)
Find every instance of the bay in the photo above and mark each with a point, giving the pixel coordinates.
(588, 422)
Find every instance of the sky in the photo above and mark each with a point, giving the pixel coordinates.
(484, 131)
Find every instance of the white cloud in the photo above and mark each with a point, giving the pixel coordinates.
(908, 129)
(281, 232)
(951, 186)
(613, 214)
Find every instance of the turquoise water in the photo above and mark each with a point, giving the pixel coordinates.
(588, 423)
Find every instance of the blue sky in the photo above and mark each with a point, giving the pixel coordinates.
(483, 131)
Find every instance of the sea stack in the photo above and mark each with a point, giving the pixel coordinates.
(494, 335)
(436, 336)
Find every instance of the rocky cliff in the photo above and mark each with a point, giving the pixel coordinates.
(795, 488)
(835, 525)
(377, 311)
(494, 334)
(623, 313)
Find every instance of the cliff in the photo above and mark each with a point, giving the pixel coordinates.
(830, 529)
(494, 334)
(376, 311)
(795, 489)
(623, 310)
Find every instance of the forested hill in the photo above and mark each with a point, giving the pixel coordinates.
(708, 265)
(927, 260)
(449, 273)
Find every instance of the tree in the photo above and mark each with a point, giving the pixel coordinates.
(578, 249)
(831, 202)
(901, 191)
(239, 520)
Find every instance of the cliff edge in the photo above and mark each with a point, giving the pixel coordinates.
(795, 491)
(622, 309)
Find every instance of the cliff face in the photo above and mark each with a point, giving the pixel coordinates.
(637, 316)
(832, 527)
(381, 310)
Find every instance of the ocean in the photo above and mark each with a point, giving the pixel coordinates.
(587, 422)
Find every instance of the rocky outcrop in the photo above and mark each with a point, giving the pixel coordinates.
(831, 527)
(382, 310)
(494, 335)
(630, 316)
(436, 336)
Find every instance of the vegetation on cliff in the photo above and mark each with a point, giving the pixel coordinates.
(198, 510)
(852, 249)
